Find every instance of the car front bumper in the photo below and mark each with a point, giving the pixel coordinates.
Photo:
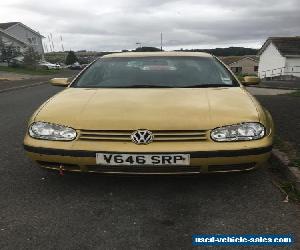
(208, 161)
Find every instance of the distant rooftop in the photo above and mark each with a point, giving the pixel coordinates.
(287, 46)
(232, 59)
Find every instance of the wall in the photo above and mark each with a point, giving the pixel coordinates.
(270, 60)
(247, 65)
(293, 66)
(12, 42)
(27, 36)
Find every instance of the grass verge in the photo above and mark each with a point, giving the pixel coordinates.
(289, 149)
(286, 187)
(29, 71)
(296, 93)
(296, 162)
(290, 190)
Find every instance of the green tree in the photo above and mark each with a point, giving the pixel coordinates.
(71, 58)
(2, 50)
(7, 51)
(31, 58)
(231, 51)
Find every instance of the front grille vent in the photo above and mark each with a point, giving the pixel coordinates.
(159, 135)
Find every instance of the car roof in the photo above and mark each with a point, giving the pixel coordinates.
(153, 54)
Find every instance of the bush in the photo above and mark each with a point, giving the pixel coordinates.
(15, 64)
(71, 58)
(55, 59)
(31, 58)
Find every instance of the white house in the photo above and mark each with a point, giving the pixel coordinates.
(21, 36)
(279, 56)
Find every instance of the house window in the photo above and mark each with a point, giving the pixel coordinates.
(236, 69)
(255, 68)
(32, 40)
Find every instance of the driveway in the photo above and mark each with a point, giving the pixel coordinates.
(268, 91)
(42, 210)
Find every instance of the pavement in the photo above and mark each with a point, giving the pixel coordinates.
(10, 81)
(42, 210)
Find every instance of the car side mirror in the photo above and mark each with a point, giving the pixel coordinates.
(61, 82)
(250, 80)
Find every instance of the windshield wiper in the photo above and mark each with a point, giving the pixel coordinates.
(208, 86)
(159, 86)
(117, 87)
(143, 86)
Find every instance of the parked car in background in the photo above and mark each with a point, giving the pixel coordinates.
(16, 61)
(48, 65)
(76, 65)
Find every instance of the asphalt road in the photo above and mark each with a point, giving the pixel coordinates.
(285, 110)
(285, 84)
(41, 210)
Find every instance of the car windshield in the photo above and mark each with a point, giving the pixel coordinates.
(156, 72)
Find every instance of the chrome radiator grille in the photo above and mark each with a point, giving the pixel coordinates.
(159, 135)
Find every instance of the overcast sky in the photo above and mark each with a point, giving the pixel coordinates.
(119, 24)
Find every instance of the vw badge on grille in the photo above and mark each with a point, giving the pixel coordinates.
(142, 136)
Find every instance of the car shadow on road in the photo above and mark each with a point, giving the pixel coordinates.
(206, 186)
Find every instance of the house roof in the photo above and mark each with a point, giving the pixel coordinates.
(287, 46)
(232, 59)
(5, 26)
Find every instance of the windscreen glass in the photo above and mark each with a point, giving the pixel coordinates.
(176, 72)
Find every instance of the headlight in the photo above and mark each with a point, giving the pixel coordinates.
(239, 132)
(53, 132)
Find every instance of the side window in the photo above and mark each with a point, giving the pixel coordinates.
(32, 40)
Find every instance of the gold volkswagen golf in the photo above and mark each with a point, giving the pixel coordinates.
(151, 113)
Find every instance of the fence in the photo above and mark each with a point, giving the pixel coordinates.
(288, 70)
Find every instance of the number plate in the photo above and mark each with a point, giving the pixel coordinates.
(140, 159)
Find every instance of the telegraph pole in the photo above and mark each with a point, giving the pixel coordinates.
(161, 41)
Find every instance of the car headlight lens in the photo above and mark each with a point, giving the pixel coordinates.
(49, 131)
(239, 132)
